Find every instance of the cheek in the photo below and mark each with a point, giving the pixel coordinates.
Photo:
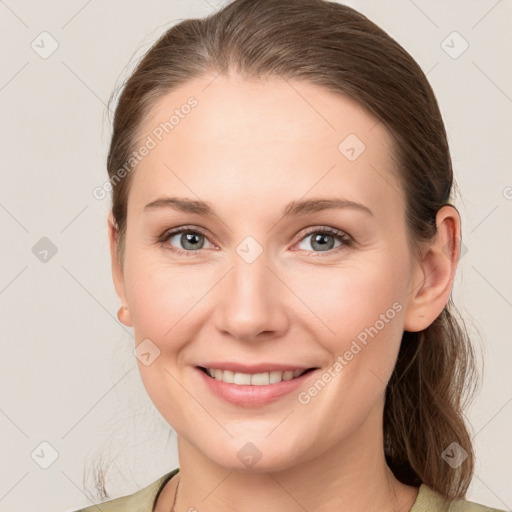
(359, 310)
(161, 302)
(351, 297)
(363, 311)
(160, 295)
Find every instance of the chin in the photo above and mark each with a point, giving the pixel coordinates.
(253, 457)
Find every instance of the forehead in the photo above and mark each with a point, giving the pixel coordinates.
(272, 138)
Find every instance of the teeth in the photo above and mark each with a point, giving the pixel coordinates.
(254, 379)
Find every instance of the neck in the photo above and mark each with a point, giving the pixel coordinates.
(350, 476)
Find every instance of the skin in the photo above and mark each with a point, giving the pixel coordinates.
(248, 149)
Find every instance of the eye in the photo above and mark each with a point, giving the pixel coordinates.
(191, 240)
(324, 240)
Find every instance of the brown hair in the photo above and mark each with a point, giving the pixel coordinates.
(336, 47)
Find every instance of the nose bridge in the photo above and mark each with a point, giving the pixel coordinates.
(250, 273)
(250, 301)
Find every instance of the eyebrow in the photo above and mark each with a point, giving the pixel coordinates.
(295, 208)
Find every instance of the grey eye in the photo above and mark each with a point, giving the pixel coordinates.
(321, 242)
(187, 240)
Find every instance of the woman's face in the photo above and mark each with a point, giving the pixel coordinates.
(255, 282)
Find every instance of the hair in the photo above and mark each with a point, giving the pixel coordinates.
(335, 47)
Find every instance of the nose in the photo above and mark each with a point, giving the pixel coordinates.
(251, 301)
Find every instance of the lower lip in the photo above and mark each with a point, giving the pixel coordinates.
(253, 396)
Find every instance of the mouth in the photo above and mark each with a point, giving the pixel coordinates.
(254, 379)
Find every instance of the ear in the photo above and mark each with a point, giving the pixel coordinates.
(434, 274)
(118, 271)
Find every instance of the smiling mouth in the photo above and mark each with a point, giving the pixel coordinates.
(254, 379)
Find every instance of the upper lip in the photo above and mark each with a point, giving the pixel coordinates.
(253, 368)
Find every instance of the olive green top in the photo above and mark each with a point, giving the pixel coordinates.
(427, 500)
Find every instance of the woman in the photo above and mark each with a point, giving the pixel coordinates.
(284, 246)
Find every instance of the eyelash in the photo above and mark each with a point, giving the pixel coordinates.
(347, 240)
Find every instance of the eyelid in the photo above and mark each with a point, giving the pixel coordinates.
(167, 234)
(346, 239)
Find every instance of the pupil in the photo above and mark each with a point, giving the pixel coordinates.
(320, 238)
(190, 238)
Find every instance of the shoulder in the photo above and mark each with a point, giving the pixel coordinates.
(140, 501)
(429, 500)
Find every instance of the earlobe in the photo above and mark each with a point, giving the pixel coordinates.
(433, 279)
(123, 313)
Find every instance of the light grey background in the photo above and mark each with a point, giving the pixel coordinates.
(68, 374)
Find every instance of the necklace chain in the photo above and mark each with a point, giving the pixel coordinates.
(175, 494)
